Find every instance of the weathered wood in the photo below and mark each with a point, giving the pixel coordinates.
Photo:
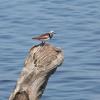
(41, 62)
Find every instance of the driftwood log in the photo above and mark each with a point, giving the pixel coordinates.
(40, 63)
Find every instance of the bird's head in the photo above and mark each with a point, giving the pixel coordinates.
(51, 33)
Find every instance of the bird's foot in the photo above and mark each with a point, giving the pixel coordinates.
(43, 43)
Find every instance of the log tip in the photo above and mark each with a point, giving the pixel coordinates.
(57, 49)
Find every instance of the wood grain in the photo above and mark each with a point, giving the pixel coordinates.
(40, 63)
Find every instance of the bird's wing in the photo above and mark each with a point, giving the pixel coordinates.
(40, 37)
(46, 34)
(43, 36)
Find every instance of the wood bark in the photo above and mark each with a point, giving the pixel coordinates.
(40, 63)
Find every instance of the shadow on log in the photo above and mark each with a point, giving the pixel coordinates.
(40, 63)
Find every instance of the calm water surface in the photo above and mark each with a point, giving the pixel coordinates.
(77, 24)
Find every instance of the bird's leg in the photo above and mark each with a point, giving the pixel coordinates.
(43, 42)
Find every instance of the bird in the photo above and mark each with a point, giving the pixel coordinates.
(44, 37)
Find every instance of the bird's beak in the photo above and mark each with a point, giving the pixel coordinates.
(54, 33)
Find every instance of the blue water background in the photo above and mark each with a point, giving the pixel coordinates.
(77, 24)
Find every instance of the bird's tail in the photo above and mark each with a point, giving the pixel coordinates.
(34, 38)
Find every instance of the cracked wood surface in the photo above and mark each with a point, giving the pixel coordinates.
(40, 63)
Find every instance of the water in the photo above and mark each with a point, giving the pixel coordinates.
(77, 24)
